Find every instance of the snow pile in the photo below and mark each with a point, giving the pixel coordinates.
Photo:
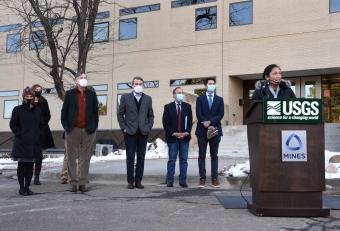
(241, 169)
(156, 150)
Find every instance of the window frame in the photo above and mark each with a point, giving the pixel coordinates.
(196, 17)
(4, 111)
(119, 38)
(252, 13)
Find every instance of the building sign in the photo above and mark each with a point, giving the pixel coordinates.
(293, 111)
(294, 146)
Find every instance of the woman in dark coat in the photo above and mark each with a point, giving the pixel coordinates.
(25, 123)
(272, 86)
(46, 139)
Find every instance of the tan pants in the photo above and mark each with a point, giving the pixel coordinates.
(79, 145)
(64, 174)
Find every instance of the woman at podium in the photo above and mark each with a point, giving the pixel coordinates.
(272, 86)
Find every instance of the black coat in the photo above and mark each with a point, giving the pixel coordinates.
(262, 90)
(69, 110)
(26, 124)
(46, 138)
(170, 121)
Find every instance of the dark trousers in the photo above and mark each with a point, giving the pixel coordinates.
(24, 173)
(202, 152)
(37, 166)
(135, 144)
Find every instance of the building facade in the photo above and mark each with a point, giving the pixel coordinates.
(182, 42)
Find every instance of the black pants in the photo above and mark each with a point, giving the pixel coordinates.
(135, 144)
(37, 166)
(25, 173)
(202, 152)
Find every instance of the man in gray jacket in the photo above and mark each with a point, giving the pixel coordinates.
(135, 118)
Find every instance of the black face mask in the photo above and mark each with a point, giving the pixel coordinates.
(27, 101)
(37, 93)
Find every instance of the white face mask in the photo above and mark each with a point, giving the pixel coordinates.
(138, 89)
(83, 82)
(180, 97)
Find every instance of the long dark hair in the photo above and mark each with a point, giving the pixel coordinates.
(269, 69)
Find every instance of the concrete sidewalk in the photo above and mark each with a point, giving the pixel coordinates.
(154, 171)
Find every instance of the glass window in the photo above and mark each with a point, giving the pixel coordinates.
(9, 93)
(37, 40)
(128, 29)
(147, 84)
(241, 13)
(310, 89)
(102, 15)
(53, 22)
(199, 91)
(8, 107)
(13, 44)
(139, 9)
(6, 28)
(101, 32)
(194, 81)
(102, 104)
(334, 6)
(102, 87)
(331, 98)
(293, 87)
(206, 18)
(180, 3)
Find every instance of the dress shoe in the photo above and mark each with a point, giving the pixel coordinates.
(36, 180)
(29, 192)
(183, 184)
(83, 188)
(130, 185)
(216, 183)
(139, 185)
(73, 188)
(169, 184)
(22, 192)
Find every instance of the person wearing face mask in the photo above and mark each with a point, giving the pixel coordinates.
(135, 117)
(177, 123)
(272, 86)
(209, 112)
(46, 138)
(26, 124)
(79, 117)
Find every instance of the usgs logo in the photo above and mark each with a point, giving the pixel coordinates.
(296, 108)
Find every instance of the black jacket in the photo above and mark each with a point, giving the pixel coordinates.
(262, 90)
(46, 138)
(69, 110)
(26, 123)
(170, 121)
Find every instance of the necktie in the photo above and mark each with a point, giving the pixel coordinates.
(179, 113)
(210, 101)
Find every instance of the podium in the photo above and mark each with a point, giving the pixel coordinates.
(279, 188)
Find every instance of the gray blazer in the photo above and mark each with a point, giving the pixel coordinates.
(130, 119)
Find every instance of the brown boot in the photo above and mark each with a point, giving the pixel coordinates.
(73, 188)
(82, 188)
(139, 185)
(202, 183)
(216, 183)
(130, 185)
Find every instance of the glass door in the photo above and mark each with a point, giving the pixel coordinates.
(311, 87)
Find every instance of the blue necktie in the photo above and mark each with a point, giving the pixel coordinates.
(210, 101)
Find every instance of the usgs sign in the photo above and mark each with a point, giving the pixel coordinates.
(304, 111)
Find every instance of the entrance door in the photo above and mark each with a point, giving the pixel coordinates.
(311, 87)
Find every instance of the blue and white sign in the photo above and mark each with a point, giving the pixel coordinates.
(294, 146)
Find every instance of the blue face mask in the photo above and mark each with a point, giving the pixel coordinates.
(179, 97)
(211, 87)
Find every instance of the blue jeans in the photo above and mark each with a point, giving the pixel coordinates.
(182, 149)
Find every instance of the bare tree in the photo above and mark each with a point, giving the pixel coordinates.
(67, 30)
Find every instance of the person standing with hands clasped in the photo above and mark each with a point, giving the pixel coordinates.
(26, 125)
(79, 117)
(177, 123)
(135, 117)
(209, 112)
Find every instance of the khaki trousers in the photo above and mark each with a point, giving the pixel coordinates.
(79, 145)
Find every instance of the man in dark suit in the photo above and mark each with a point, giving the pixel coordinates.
(209, 112)
(135, 117)
(177, 123)
(79, 117)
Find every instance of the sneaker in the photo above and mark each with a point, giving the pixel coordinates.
(183, 184)
(216, 183)
(202, 183)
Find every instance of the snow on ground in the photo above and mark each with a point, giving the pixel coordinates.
(242, 169)
(156, 150)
